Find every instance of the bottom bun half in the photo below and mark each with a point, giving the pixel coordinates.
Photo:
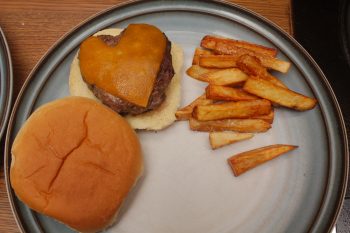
(156, 119)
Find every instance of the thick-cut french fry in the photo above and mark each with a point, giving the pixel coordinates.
(279, 95)
(199, 52)
(238, 125)
(220, 139)
(245, 161)
(267, 61)
(185, 113)
(232, 76)
(210, 43)
(274, 63)
(268, 117)
(218, 61)
(197, 72)
(215, 92)
(252, 66)
(240, 109)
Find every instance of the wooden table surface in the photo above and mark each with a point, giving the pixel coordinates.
(32, 27)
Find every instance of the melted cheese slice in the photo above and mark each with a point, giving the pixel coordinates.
(129, 69)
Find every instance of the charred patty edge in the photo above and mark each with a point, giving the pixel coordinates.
(157, 97)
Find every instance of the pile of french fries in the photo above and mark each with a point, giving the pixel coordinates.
(240, 97)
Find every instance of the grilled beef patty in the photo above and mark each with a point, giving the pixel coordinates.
(165, 74)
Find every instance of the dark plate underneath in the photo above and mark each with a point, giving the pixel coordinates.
(5, 82)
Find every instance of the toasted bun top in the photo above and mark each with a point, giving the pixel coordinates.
(75, 160)
(129, 69)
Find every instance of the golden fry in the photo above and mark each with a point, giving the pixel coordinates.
(279, 95)
(252, 66)
(220, 139)
(238, 125)
(245, 161)
(217, 61)
(199, 52)
(231, 76)
(215, 92)
(275, 64)
(197, 72)
(240, 109)
(267, 61)
(210, 43)
(186, 112)
(268, 117)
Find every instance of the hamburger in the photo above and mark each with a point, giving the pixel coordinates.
(135, 72)
(76, 160)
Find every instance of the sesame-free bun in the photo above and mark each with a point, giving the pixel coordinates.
(75, 160)
(156, 119)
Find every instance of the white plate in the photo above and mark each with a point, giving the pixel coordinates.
(188, 187)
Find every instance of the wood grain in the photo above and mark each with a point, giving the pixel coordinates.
(32, 27)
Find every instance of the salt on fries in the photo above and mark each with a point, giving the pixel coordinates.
(240, 98)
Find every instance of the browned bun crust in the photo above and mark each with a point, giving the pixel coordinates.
(75, 160)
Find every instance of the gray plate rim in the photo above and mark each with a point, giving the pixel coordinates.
(6, 82)
(327, 209)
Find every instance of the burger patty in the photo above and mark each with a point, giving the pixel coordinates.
(165, 74)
